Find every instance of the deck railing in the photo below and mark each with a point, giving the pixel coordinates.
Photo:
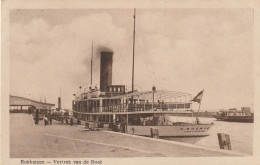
(141, 107)
(135, 107)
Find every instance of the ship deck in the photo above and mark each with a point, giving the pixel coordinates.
(136, 112)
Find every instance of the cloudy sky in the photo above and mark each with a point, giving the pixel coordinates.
(176, 49)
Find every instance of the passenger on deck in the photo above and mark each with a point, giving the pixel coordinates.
(66, 114)
(198, 121)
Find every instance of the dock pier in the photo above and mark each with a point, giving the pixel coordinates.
(61, 141)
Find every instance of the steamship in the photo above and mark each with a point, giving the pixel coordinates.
(233, 115)
(134, 112)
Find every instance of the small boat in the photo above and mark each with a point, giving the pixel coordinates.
(233, 115)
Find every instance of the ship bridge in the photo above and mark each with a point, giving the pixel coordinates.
(17, 103)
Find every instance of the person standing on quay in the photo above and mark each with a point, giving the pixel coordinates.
(36, 116)
(51, 118)
(45, 119)
(71, 121)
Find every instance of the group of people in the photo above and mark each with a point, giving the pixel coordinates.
(48, 117)
(48, 120)
(68, 121)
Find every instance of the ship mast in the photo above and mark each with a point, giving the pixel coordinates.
(91, 64)
(132, 100)
(133, 70)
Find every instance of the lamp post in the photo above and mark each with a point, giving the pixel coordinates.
(154, 89)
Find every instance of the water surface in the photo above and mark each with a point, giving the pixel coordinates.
(241, 135)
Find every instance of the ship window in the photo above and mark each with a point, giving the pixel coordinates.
(201, 128)
(192, 128)
(119, 89)
(187, 128)
(180, 105)
(197, 128)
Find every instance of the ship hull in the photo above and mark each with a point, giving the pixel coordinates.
(220, 118)
(240, 120)
(236, 119)
(189, 130)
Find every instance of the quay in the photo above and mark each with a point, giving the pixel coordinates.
(28, 140)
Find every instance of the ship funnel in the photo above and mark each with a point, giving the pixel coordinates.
(106, 62)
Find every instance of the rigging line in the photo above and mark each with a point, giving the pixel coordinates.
(175, 91)
(160, 97)
(173, 94)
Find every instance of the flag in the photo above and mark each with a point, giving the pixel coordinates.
(198, 98)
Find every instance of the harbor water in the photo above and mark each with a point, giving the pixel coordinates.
(241, 135)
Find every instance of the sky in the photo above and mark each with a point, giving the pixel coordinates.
(183, 50)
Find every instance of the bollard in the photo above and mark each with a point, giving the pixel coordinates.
(115, 127)
(106, 126)
(92, 125)
(123, 127)
(78, 122)
(96, 126)
(154, 133)
(224, 141)
(87, 125)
